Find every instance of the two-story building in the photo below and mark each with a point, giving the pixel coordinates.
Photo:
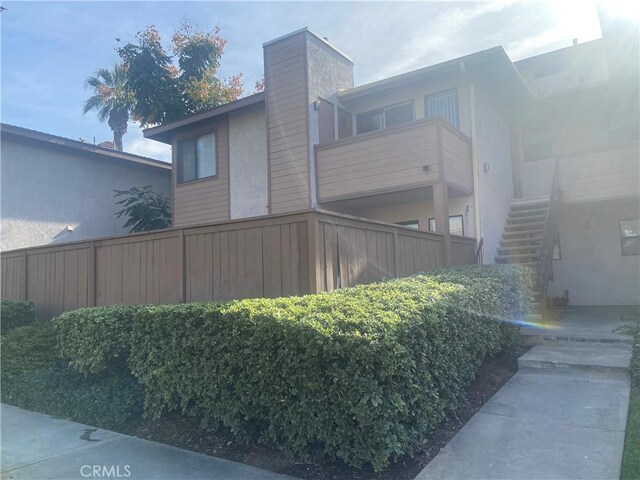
(316, 184)
(469, 147)
(57, 190)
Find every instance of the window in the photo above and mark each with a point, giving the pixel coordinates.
(385, 117)
(197, 158)
(443, 105)
(398, 115)
(456, 225)
(630, 237)
(325, 122)
(410, 224)
(345, 123)
(536, 144)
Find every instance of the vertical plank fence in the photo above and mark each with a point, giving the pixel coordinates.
(274, 256)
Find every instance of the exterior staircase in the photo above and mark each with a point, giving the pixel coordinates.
(523, 237)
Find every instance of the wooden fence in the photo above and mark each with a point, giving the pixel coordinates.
(263, 257)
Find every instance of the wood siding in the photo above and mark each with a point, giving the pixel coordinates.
(456, 152)
(263, 257)
(601, 175)
(397, 158)
(206, 200)
(287, 124)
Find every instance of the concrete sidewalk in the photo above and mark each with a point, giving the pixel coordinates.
(563, 415)
(36, 446)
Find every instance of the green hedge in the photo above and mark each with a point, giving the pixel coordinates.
(16, 314)
(34, 377)
(100, 400)
(96, 339)
(362, 374)
(28, 348)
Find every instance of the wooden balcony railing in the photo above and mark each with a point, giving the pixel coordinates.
(415, 154)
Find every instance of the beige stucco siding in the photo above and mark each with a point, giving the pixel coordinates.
(288, 122)
(46, 188)
(494, 191)
(248, 162)
(206, 200)
(592, 267)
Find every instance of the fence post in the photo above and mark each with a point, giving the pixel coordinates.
(396, 253)
(315, 282)
(181, 267)
(25, 277)
(91, 267)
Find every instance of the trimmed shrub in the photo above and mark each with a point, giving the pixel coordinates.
(16, 314)
(362, 374)
(33, 377)
(28, 348)
(96, 339)
(100, 400)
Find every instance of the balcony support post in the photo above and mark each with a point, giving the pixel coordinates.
(441, 210)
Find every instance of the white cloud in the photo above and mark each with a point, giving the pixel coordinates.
(145, 147)
(436, 36)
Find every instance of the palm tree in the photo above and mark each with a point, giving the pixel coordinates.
(112, 100)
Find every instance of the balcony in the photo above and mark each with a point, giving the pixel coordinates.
(609, 173)
(405, 157)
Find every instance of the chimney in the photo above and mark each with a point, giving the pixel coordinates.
(298, 69)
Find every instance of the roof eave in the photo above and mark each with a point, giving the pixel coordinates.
(163, 133)
(81, 147)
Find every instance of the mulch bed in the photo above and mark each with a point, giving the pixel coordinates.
(185, 432)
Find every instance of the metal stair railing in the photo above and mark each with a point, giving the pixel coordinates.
(544, 270)
(479, 250)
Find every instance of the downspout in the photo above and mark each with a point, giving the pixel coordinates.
(474, 163)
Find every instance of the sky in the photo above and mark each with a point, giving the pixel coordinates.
(49, 48)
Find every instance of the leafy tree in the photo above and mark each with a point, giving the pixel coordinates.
(112, 100)
(146, 209)
(170, 85)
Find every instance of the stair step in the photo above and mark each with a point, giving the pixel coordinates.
(514, 250)
(535, 219)
(527, 212)
(523, 234)
(525, 227)
(528, 202)
(516, 259)
(591, 357)
(522, 242)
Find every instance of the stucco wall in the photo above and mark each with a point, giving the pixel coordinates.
(248, 162)
(494, 191)
(45, 190)
(592, 267)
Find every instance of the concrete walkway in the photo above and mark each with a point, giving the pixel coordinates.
(36, 446)
(563, 415)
